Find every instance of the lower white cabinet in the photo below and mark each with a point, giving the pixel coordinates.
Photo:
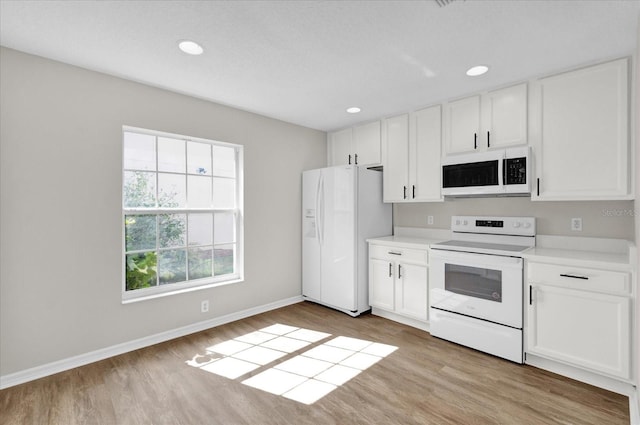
(398, 280)
(581, 317)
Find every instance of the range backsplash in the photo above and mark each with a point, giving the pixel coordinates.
(607, 219)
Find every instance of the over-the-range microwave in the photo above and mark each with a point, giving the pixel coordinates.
(496, 172)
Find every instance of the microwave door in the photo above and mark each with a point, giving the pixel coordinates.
(472, 178)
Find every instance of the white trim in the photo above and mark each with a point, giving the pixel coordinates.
(634, 407)
(103, 353)
(591, 378)
(415, 323)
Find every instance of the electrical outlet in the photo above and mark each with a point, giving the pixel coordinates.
(204, 306)
(429, 219)
(576, 224)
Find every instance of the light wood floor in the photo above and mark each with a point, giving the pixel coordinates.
(425, 381)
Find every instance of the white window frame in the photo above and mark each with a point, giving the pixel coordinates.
(195, 284)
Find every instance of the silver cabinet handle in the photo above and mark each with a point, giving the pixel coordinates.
(399, 271)
(395, 253)
(390, 269)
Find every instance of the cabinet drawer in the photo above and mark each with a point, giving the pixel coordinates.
(398, 254)
(579, 278)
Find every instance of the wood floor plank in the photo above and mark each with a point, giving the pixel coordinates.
(425, 381)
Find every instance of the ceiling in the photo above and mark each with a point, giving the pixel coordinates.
(305, 62)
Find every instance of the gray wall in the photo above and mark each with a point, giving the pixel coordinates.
(60, 212)
(609, 219)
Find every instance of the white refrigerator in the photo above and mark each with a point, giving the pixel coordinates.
(341, 207)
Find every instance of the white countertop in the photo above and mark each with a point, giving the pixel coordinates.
(615, 254)
(579, 258)
(404, 241)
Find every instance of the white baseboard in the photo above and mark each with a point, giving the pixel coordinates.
(610, 384)
(103, 353)
(400, 319)
(634, 407)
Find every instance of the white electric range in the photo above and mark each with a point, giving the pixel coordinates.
(476, 284)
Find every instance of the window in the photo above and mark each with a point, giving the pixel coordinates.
(181, 213)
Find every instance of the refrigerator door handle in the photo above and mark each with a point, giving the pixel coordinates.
(320, 210)
(317, 217)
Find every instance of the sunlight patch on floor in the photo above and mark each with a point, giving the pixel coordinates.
(305, 378)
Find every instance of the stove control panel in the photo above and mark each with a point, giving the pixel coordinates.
(519, 226)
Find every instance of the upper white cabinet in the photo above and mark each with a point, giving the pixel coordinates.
(580, 123)
(358, 145)
(494, 119)
(395, 176)
(411, 144)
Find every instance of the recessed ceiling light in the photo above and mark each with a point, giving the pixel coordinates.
(477, 70)
(190, 47)
(353, 110)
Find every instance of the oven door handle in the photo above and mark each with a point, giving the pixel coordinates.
(473, 259)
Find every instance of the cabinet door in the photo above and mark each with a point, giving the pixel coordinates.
(381, 284)
(505, 117)
(462, 125)
(366, 141)
(340, 147)
(395, 175)
(585, 329)
(581, 134)
(411, 290)
(424, 155)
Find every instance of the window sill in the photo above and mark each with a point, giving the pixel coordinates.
(130, 299)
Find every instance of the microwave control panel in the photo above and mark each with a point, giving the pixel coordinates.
(515, 170)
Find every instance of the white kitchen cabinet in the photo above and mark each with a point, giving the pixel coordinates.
(398, 280)
(340, 147)
(462, 125)
(381, 284)
(580, 134)
(412, 146)
(395, 172)
(495, 119)
(581, 317)
(359, 145)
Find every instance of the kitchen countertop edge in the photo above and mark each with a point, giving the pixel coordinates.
(404, 241)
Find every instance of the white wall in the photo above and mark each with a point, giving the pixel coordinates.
(60, 212)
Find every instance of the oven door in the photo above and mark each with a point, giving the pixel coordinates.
(482, 286)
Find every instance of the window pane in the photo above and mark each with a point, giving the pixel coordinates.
(199, 158)
(141, 270)
(172, 266)
(199, 192)
(171, 155)
(171, 190)
(224, 161)
(139, 189)
(201, 229)
(139, 151)
(200, 262)
(223, 259)
(224, 229)
(172, 229)
(140, 232)
(224, 193)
